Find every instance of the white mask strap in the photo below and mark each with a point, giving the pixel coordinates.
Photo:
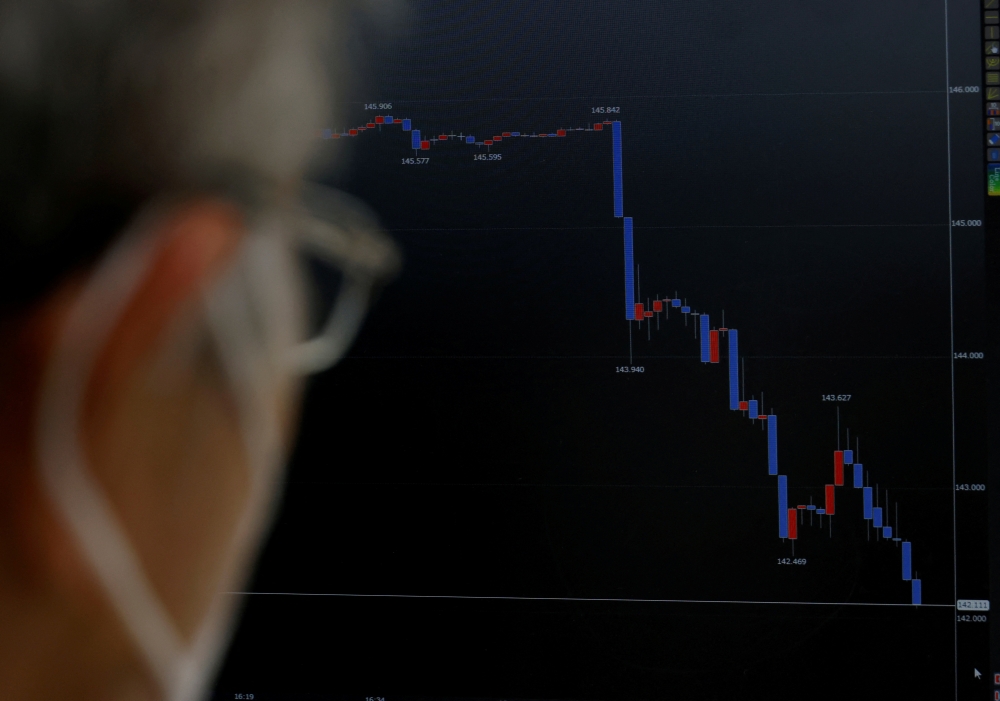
(77, 496)
(253, 372)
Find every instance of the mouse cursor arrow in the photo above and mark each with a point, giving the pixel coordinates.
(977, 673)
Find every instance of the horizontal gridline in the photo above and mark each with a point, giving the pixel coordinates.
(583, 599)
(672, 227)
(641, 357)
(677, 96)
(572, 485)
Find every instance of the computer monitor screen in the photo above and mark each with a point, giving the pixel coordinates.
(682, 390)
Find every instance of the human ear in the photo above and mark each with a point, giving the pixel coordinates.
(130, 422)
(160, 428)
(156, 427)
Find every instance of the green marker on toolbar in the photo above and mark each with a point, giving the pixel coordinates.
(993, 179)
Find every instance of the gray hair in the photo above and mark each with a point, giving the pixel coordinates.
(105, 103)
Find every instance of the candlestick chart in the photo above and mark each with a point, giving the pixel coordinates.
(680, 388)
(877, 510)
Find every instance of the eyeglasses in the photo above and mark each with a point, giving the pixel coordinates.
(339, 259)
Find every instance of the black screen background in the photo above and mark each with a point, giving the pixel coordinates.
(502, 497)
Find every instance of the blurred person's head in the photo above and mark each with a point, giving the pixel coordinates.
(152, 319)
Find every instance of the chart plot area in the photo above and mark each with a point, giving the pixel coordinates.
(671, 383)
(641, 317)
